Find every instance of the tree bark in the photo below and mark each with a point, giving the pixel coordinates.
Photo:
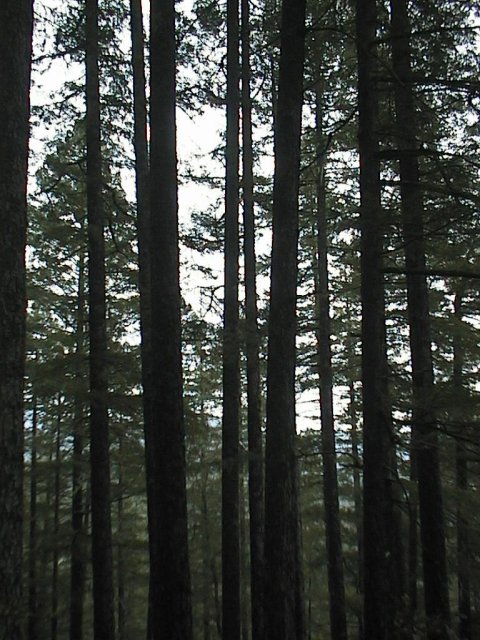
(254, 419)
(283, 601)
(121, 584)
(16, 19)
(423, 416)
(78, 563)
(143, 237)
(33, 541)
(231, 622)
(357, 497)
(103, 597)
(169, 564)
(56, 528)
(336, 587)
(464, 555)
(377, 456)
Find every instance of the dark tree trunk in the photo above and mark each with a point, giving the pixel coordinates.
(78, 562)
(32, 542)
(413, 537)
(231, 373)
(283, 606)
(171, 615)
(244, 603)
(336, 587)
(254, 419)
(377, 455)
(16, 18)
(423, 417)
(357, 497)
(211, 578)
(143, 237)
(121, 595)
(464, 555)
(56, 529)
(206, 558)
(103, 598)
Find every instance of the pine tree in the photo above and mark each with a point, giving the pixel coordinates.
(254, 418)
(231, 353)
(425, 438)
(283, 586)
(102, 562)
(16, 20)
(169, 563)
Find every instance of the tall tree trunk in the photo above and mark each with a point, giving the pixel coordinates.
(231, 622)
(209, 558)
(121, 603)
(413, 536)
(169, 564)
(78, 564)
(336, 587)
(423, 415)
(244, 603)
(464, 557)
(357, 497)
(103, 598)
(33, 541)
(143, 237)
(283, 606)
(376, 410)
(206, 557)
(56, 528)
(353, 413)
(16, 19)
(254, 419)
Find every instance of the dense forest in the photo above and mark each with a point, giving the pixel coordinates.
(239, 320)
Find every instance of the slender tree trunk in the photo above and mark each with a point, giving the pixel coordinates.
(357, 497)
(209, 558)
(78, 563)
(244, 603)
(376, 410)
(171, 614)
(464, 556)
(413, 538)
(143, 236)
(33, 542)
(16, 19)
(103, 598)
(231, 622)
(121, 602)
(254, 419)
(336, 587)
(56, 529)
(284, 618)
(206, 558)
(423, 417)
